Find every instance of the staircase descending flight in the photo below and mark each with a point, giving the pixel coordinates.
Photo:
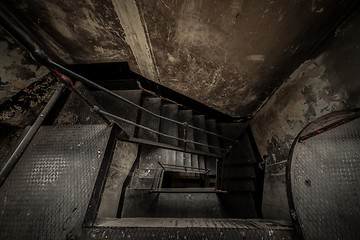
(194, 176)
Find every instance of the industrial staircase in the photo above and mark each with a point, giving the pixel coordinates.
(191, 156)
(188, 166)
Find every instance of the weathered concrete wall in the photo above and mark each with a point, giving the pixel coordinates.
(230, 55)
(327, 83)
(17, 70)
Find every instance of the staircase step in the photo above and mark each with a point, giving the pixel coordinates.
(120, 108)
(149, 157)
(170, 128)
(180, 158)
(194, 161)
(186, 116)
(213, 140)
(167, 127)
(201, 137)
(148, 120)
(142, 178)
(201, 160)
(142, 183)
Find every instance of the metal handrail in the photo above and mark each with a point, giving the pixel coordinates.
(95, 85)
(166, 166)
(96, 109)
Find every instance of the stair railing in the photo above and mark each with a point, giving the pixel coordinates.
(65, 75)
(67, 72)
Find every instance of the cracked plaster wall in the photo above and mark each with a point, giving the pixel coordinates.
(328, 82)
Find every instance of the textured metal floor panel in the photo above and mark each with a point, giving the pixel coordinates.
(148, 228)
(47, 194)
(325, 183)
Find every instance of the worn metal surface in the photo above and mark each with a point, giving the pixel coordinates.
(327, 83)
(325, 183)
(21, 147)
(47, 194)
(152, 228)
(229, 55)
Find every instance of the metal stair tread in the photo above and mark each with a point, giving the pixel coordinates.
(199, 121)
(169, 111)
(148, 120)
(201, 137)
(167, 127)
(212, 139)
(120, 108)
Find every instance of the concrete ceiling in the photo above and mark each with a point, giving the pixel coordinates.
(230, 55)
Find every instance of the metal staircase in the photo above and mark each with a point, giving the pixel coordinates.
(184, 168)
(178, 138)
(52, 186)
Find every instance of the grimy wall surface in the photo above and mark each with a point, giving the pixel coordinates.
(17, 70)
(328, 82)
(230, 55)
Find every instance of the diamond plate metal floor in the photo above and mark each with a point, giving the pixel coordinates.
(190, 229)
(47, 193)
(325, 183)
